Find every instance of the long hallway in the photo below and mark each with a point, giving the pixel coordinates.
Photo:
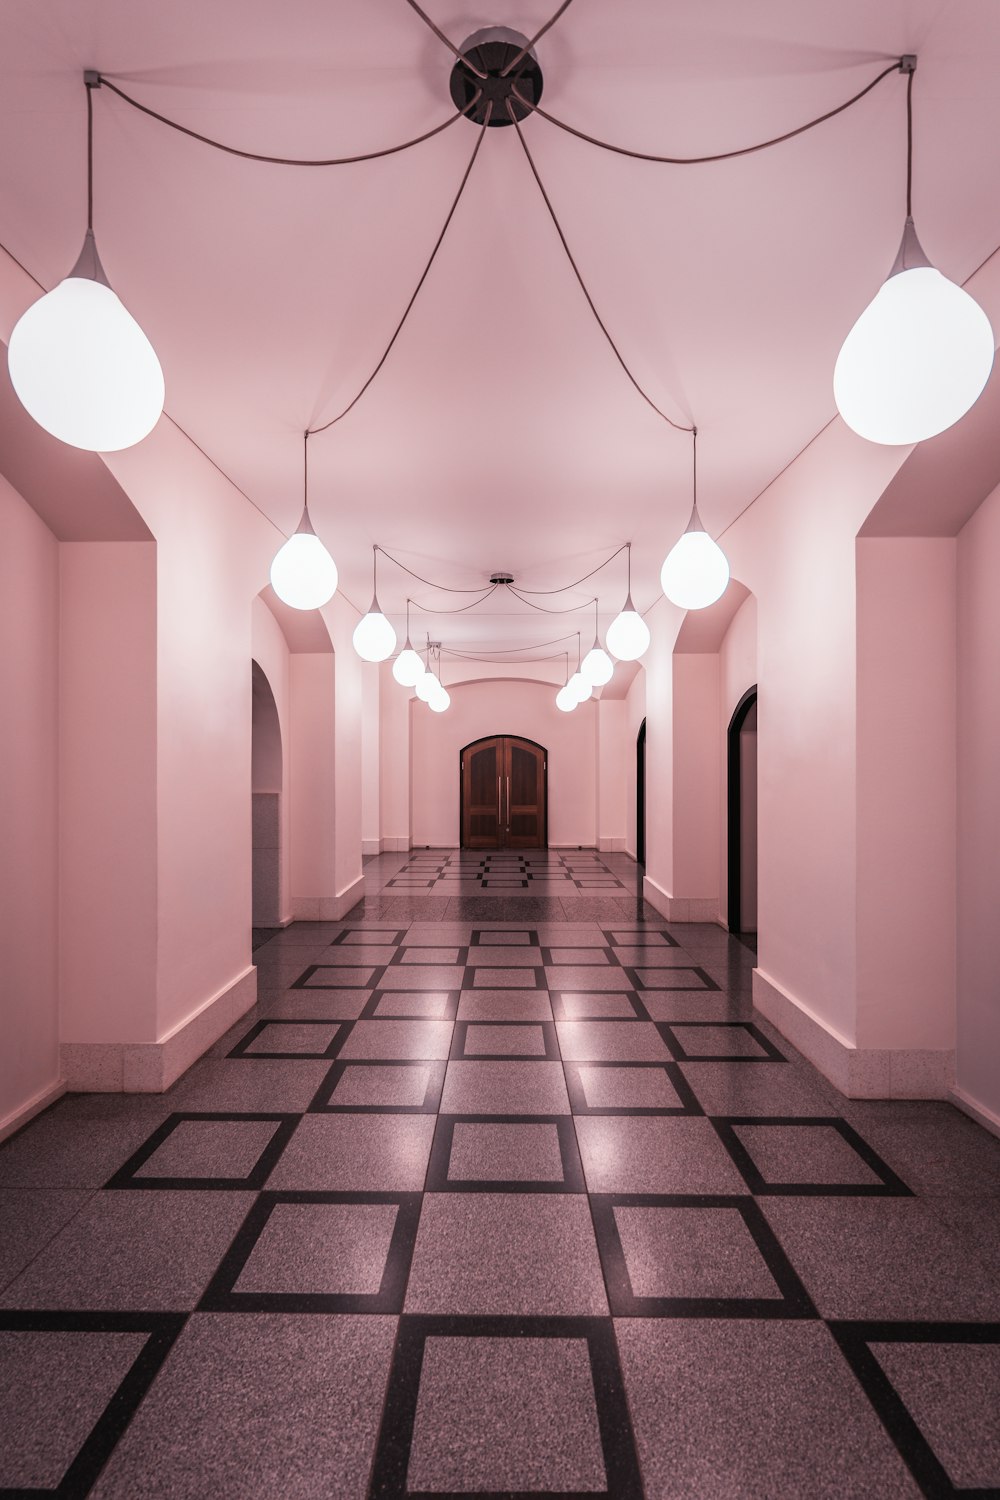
(500, 1194)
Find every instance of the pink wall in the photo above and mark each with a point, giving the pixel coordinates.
(29, 617)
(906, 792)
(371, 761)
(612, 751)
(107, 792)
(394, 761)
(659, 677)
(978, 1040)
(524, 708)
(313, 781)
(696, 777)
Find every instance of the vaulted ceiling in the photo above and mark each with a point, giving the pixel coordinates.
(501, 432)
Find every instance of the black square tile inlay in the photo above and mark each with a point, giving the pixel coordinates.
(367, 1087)
(339, 1253)
(273, 1032)
(642, 1089)
(126, 1176)
(887, 1184)
(789, 1298)
(504, 1041)
(396, 1438)
(493, 1142)
(718, 1041)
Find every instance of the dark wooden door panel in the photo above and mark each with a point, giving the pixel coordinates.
(503, 794)
(482, 773)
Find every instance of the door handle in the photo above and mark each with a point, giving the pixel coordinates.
(508, 804)
(499, 808)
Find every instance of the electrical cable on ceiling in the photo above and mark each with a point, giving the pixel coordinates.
(461, 608)
(544, 608)
(325, 426)
(691, 161)
(285, 161)
(678, 426)
(444, 587)
(505, 73)
(586, 576)
(447, 40)
(537, 646)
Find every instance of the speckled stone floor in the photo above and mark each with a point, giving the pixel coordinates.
(500, 1189)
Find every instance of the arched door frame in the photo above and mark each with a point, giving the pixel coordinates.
(640, 795)
(734, 807)
(501, 735)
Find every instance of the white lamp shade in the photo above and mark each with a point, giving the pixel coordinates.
(915, 361)
(374, 638)
(303, 574)
(695, 572)
(425, 687)
(580, 687)
(84, 369)
(440, 700)
(597, 666)
(627, 636)
(407, 668)
(566, 699)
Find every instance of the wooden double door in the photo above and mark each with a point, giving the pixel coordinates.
(503, 794)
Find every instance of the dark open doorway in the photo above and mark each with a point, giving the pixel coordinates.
(742, 816)
(640, 795)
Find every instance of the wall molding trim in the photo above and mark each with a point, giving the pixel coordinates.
(858, 1072)
(328, 908)
(680, 908)
(19, 1117)
(151, 1067)
(612, 845)
(976, 1111)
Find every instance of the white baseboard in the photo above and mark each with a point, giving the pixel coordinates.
(612, 845)
(679, 908)
(19, 1117)
(858, 1072)
(370, 847)
(328, 908)
(151, 1067)
(972, 1107)
(393, 846)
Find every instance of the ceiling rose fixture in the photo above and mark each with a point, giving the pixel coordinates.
(597, 666)
(497, 65)
(79, 362)
(628, 634)
(921, 352)
(374, 638)
(695, 571)
(303, 574)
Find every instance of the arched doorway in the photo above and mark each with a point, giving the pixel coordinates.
(504, 782)
(640, 795)
(742, 815)
(265, 772)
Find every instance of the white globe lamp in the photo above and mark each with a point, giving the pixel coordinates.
(374, 638)
(597, 666)
(566, 699)
(303, 574)
(407, 668)
(628, 636)
(695, 572)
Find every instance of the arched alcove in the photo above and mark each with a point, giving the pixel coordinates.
(266, 772)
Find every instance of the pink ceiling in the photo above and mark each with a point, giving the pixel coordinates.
(501, 432)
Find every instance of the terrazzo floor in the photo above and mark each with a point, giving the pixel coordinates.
(500, 1189)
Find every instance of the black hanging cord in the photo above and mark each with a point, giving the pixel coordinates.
(462, 607)
(284, 161)
(538, 34)
(416, 292)
(679, 427)
(909, 144)
(305, 471)
(444, 587)
(572, 609)
(567, 586)
(507, 650)
(442, 38)
(689, 161)
(90, 154)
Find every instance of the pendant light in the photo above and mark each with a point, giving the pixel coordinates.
(407, 668)
(374, 638)
(578, 684)
(597, 666)
(79, 362)
(922, 351)
(566, 697)
(303, 574)
(695, 571)
(627, 636)
(425, 684)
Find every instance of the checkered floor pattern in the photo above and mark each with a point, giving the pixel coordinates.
(500, 1208)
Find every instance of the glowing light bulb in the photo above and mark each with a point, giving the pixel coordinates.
(566, 699)
(440, 700)
(425, 687)
(374, 638)
(597, 666)
(407, 668)
(582, 689)
(695, 572)
(81, 365)
(628, 634)
(303, 574)
(917, 358)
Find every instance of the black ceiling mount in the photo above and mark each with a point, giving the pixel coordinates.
(491, 50)
(498, 578)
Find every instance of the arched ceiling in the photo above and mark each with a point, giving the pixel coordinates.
(501, 432)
